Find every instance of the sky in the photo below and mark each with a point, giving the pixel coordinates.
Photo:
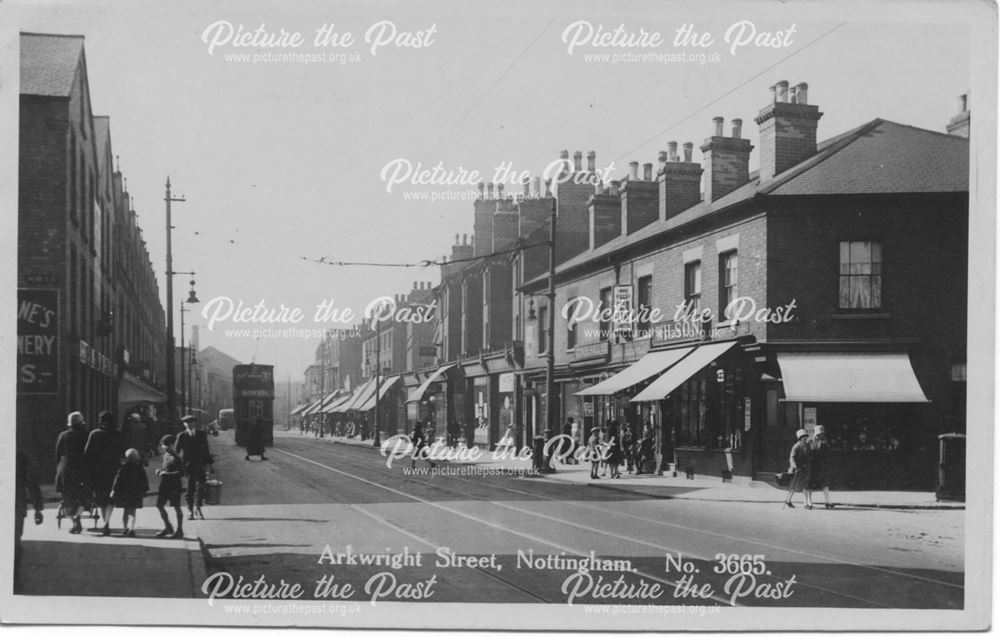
(280, 162)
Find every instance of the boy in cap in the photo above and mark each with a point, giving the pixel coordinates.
(170, 488)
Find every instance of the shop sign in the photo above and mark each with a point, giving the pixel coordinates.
(506, 382)
(809, 419)
(622, 314)
(37, 341)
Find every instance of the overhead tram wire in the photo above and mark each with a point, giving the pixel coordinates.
(730, 91)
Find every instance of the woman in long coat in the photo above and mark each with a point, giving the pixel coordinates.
(255, 440)
(72, 480)
(104, 456)
(799, 465)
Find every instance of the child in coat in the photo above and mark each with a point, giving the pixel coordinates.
(129, 488)
(170, 488)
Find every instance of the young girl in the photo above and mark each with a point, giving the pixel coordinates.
(129, 488)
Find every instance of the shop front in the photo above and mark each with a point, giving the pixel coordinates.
(611, 398)
(704, 404)
(872, 408)
(438, 402)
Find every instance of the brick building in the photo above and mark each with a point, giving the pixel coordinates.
(843, 266)
(90, 323)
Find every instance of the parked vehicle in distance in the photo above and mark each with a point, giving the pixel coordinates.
(227, 419)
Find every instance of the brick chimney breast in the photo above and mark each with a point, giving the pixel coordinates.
(727, 161)
(961, 124)
(787, 130)
(679, 182)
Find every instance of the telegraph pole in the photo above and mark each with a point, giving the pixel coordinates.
(550, 354)
(377, 439)
(171, 414)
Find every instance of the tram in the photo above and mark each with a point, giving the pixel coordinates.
(253, 399)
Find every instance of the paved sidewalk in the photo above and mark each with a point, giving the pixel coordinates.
(58, 563)
(706, 489)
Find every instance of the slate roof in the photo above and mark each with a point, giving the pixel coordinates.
(102, 133)
(49, 63)
(879, 157)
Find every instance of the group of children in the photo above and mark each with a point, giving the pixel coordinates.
(131, 484)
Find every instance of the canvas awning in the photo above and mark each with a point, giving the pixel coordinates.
(850, 377)
(649, 365)
(417, 394)
(386, 386)
(685, 369)
(317, 406)
(134, 390)
(360, 396)
(332, 406)
(299, 408)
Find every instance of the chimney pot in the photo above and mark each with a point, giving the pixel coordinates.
(688, 149)
(465, 239)
(672, 150)
(591, 161)
(782, 90)
(548, 187)
(481, 186)
(633, 170)
(662, 156)
(527, 187)
(737, 128)
(802, 93)
(615, 185)
(538, 187)
(489, 189)
(500, 191)
(717, 121)
(456, 239)
(963, 102)
(647, 172)
(577, 161)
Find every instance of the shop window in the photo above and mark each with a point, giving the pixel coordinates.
(692, 284)
(691, 430)
(860, 275)
(604, 324)
(728, 280)
(644, 301)
(571, 329)
(543, 330)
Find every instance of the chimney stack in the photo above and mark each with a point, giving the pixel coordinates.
(727, 162)
(564, 156)
(489, 190)
(787, 130)
(481, 186)
(961, 124)
(638, 198)
(679, 183)
(591, 161)
(578, 162)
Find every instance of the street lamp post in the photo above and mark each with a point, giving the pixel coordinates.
(377, 440)
(171, 415)
(192, 298)
(182, 375)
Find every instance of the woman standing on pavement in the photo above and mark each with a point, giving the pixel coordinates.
(615, 455)
(798, 464)
(71, 469)
(104, 456)
(594, 453)
(819, 459)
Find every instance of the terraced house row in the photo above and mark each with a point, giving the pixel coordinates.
(91, 327)
(827, 287)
